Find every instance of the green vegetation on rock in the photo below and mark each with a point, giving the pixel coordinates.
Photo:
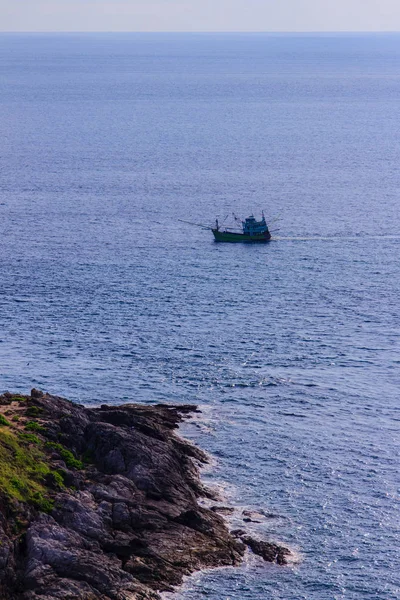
(87, 457)
(58, 478)
(42, 503)
(33, 411)
(23, 469)
(35, 426)
(30, 438)
(68, 457)
(3, 420)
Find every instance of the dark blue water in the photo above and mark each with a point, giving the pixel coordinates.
(293, 347)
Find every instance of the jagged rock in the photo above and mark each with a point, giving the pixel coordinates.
(237, 533)
(223, 510)
(126, 523)
(252, 516)
(269, 551)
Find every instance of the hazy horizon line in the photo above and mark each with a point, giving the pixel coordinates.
(207, 31)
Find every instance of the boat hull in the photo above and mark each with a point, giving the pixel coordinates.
(228, 236)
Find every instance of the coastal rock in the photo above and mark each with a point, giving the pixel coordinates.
(252, 516)
(269, 551)
(105, 504)
(223, 510)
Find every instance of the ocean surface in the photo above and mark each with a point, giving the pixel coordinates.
(290, 348)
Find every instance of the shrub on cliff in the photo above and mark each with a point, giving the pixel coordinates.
(67, 456)
(23, 468)
(3, 420)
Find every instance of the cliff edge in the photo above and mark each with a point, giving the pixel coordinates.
(102, 502)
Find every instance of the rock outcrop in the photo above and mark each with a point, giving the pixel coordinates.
(102, 502)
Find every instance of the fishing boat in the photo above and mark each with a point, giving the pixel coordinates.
(248, 231)
(252, 231)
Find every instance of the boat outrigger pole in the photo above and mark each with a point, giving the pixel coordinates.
(196, 224)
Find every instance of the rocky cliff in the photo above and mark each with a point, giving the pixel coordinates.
(102, 502)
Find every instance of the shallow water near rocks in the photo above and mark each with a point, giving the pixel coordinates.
(291, 348)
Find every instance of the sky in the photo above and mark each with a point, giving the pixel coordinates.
(200, 15)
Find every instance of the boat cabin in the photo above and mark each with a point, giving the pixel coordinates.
(252, 227)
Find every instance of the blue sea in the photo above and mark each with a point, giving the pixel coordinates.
(290, 348)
